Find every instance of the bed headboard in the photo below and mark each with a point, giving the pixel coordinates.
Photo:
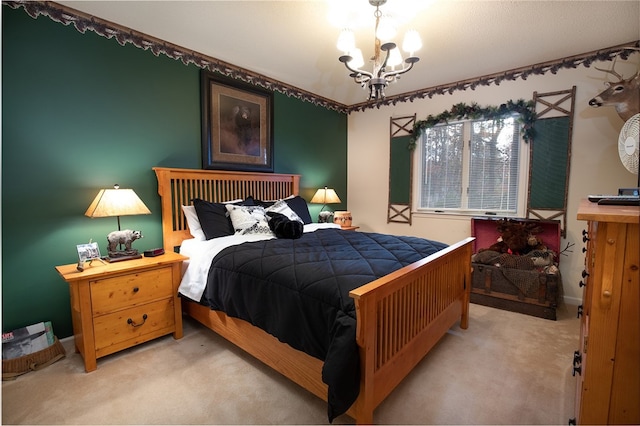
(177, 187)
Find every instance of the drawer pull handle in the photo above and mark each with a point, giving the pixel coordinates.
(577, 369)
(144, 319)
(577, 358)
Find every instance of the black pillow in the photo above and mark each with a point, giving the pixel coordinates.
(299, 205)
(284, 227)
(261, 203)
(214, 219)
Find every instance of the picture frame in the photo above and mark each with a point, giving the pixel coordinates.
(88, 252)
(237, 124)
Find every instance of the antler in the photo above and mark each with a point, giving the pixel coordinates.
(612, 70)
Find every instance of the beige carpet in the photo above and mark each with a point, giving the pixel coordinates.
(506, 368)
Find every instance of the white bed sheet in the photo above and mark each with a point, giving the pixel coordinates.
(201, 254)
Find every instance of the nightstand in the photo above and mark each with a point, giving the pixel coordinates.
(349, 228)
(118, 305)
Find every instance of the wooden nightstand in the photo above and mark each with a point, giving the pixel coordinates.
(118, 305)
(349, 228)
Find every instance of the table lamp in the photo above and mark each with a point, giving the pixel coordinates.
(118, 202)
(325, 196)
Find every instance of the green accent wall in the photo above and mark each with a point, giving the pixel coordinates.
(81, 113)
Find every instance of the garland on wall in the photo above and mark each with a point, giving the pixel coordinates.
(621, 51)
(124, 35)
(462, 111)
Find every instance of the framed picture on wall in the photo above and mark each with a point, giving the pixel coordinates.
(237, 124)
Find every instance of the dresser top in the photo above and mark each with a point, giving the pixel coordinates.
(595, 212)
(97, 269)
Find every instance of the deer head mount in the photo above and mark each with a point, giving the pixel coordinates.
(624, 95)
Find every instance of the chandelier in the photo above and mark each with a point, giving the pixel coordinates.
(384, 68)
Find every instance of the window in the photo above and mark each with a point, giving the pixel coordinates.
(479, 176)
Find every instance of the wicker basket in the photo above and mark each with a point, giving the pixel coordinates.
(12, 368)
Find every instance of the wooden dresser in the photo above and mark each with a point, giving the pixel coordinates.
(118, 305)
(607, 363)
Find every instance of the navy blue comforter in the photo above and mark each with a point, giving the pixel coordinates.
(298, 291)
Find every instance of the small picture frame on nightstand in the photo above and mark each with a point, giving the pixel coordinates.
(86, 253)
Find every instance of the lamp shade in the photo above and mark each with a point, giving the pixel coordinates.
(116, 202)
(325, 196)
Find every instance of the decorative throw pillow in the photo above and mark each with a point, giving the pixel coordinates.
(213, 217)
(295, 203)
(284, 227)
(283, 208)
(248, 220)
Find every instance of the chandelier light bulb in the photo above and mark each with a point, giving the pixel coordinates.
(395, 58)
(358, 59)
(412, 42)
(346, 41)
(386, 29)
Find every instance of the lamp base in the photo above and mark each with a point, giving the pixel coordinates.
(120, 255)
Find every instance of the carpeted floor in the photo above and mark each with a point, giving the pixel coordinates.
(506, 368)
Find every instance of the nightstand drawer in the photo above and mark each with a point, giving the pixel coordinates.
(117, 330)
(129, 290)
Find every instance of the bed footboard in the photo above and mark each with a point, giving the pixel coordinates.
(403, 315)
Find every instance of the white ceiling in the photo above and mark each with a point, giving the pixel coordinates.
(294, 42)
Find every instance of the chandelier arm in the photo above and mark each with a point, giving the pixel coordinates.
(381, 73)
(361, 79)
(391, 74)
(357, 71)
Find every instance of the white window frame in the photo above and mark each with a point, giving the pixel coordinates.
(523, 180)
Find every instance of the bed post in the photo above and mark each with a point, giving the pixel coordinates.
(164, 181)
(366, 340)
(464, 320)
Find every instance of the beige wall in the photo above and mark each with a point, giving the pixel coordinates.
(595, 165)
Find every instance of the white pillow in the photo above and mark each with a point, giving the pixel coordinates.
(249, 220)
(194, 224)
(282, 207)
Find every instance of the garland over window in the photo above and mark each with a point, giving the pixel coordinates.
(461, 111)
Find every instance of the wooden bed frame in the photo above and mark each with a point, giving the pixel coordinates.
(400, 317)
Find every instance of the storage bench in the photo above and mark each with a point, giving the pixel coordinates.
(532, 290)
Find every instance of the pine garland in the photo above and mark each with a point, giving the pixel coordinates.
(462, 111)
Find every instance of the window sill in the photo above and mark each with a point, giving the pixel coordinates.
(462, 215)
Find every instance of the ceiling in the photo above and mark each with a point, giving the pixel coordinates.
(294, 41)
